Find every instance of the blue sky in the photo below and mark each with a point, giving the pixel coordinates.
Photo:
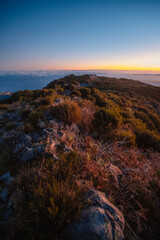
(65, 34)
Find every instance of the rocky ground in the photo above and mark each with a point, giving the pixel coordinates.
(120, 192)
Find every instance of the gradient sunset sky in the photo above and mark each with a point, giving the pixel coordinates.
(71, 34)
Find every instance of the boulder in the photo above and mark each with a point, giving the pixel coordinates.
(60, 133)
(17, 147)
(27, 154)
(40, 149)
(6, 178)
(98, 220)
(4, 194)
(41, 124)
(26, 139)
(36, 137)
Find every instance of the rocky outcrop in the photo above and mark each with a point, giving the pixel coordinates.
(99, 220)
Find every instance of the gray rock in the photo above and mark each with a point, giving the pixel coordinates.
(40, 149)
(66, 148)
(48, 117)
(51, 130)
(17, 148)
(60, 133)
(6, 178)
(99, 220)
(1, 117)
(20, 124)
(75, 128)
(26, 139)
(4, 194)
(58, 100)
(27, 154)
(9, 210)
(41, 124)
(35, 137)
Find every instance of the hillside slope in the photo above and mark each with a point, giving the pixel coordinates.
(80, 159)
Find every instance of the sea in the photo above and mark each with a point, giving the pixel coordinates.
(11, 81)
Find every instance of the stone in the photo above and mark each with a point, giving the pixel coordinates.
(35, 137)
(40, 149)
(27, 154)
(4, 194)
(20, 124)
(58, 100)
(66, 148)
(60, 133)
(1, 117)
(6, 178)
(24, 138)
(41, 124)
(98, 220)
(17, 148)
(75, 129)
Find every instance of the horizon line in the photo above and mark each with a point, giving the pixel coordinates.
(85, 69)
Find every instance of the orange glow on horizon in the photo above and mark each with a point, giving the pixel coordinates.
(127, 68)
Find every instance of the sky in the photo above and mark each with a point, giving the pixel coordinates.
(74, 35)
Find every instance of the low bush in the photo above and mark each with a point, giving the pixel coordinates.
(4, 107)
(127, 137)
(71, 87)
(10, 126)
(68, 112)
(105, 121)
(48, 100)
(148, 139)
(75, 93)
(99, 96)
(26, 95)
(85, 92)
(144, 118)
(28, 128)
(31, 119)
(34, 116)
(50, 199)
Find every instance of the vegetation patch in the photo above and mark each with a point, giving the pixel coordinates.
(68, 112)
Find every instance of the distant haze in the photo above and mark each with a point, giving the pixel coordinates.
(14, 81)
(84, 34)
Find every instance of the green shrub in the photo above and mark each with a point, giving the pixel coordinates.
(105, 121)
(128, 137)
(26, 95)
(25, 113)
(31, 119)
(59, 89)
(50, 199)
(148, 139)
(68, 112)
(47, 100)
(85, 92)
(91, 98)
(99, 96)
(144, 118)
(10, 126)
(69, 164)
(147, 201)
(75, 93)
(71, 87)
(4, 107)
(28, 128)
(34, 116)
